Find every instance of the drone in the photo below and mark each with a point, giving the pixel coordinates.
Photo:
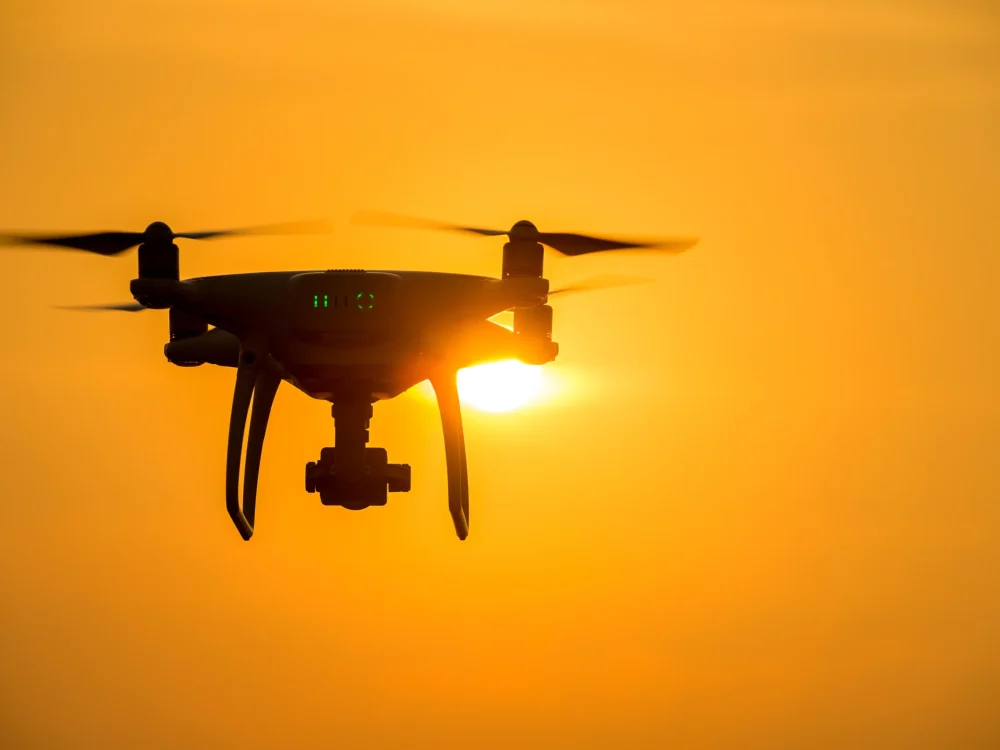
(351, 337)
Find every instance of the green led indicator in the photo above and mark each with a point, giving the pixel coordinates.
(315, 300)
(326, 300)
(370, 300)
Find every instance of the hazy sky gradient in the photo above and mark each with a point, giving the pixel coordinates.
(762, 511)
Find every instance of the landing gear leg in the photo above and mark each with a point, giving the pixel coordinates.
(254, 379)
(264, 391)
(446, 389)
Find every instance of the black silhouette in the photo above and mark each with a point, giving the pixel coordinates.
(350, 337)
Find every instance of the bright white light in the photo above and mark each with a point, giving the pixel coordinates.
(500, 386)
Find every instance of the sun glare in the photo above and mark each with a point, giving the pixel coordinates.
(500, 386)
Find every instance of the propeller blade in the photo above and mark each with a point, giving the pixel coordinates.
(100, 243)
(596, 283)
(581, 244)
(131, 307)
(381, 219)
(115, 243)
(299, 227)
(564, 242)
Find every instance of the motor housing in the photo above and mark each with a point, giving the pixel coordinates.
(535, 322)
(523, 258)
(159, 260)
(184, 326)
(533, 328)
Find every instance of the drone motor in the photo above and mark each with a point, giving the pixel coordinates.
(182, 327)
(523, 255)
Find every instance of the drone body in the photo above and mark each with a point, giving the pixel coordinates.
(338, 332)
(350, 337)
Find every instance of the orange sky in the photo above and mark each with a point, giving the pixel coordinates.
(760, 513)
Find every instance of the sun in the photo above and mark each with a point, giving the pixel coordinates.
(500, 386)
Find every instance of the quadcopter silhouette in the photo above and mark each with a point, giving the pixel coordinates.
(350, 337)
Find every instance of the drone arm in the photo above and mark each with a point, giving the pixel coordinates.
(265, 388)
(247, 372)
(446, 390)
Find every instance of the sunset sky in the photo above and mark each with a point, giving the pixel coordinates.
(758, 504)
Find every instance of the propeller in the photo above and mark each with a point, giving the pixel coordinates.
(598, 282)
(593, 284)
(115, 243)
(130, 307)
(564, 242)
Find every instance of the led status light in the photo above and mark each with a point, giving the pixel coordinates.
(365, 300)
